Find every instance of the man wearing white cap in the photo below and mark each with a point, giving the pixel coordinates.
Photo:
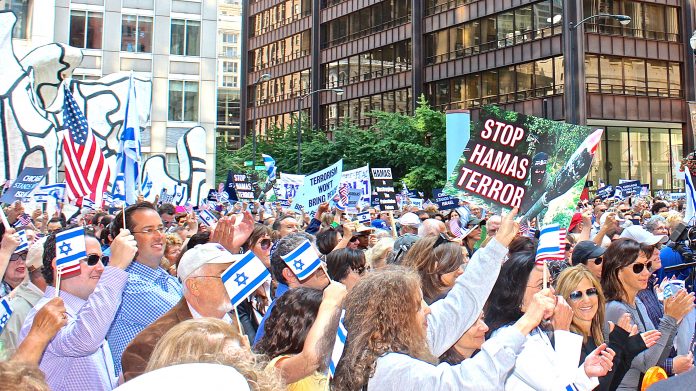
(200, 270)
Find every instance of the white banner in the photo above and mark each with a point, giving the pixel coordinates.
(359, 179)
(287, 185)
(318, 187)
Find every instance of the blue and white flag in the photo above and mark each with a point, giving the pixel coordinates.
(269, 162)
(5, 312)
(70, 250)
(549, 247)
(57, 192)
(146, 186)
(363, 217)
(118, 191)
(690, 212)
(339, 345)
(108, 199)
(303, 260)
(180, 194)
(87, 203)
(23, 241)
(207, 217)
(243, 277)
(128, 158)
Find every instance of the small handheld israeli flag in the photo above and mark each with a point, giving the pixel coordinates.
(87, 203)
(339, 345)
(23, 242)
(549, 247)
(207, 217)
(364, 217)
(303, 260)
(243, 277)
(70, 250)
(5, 312)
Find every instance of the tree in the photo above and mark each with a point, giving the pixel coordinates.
(412, 145)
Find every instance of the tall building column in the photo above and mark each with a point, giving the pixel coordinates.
(416, 52)
(574, 95)
(244, 64)
(315, 72)
(689, 18)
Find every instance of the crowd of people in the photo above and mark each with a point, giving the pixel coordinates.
(430, 300)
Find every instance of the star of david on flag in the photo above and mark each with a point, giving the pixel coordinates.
(23, 242)
(207, 217)
(339, 345)
(70, 250)
(5, 313)
(242, 278)
(303, 260)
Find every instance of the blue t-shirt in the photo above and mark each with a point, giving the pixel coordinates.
(670, 257)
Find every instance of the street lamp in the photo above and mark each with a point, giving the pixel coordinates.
(261, 79)
(574, 111)
(692, 42)
(300, 99)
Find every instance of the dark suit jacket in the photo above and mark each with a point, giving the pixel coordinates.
(137, 353)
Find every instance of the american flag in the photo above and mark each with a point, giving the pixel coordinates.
(86, 170)
(455, 228)
(551, 245)
(527, 230)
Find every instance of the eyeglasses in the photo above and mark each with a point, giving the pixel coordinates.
(577, 295)
(638, 267)
(598, 260)
(17, 257)
(354, 239)
(423, 218)
(265, 244)
(149, 231)
(442, 238)
(92, 259)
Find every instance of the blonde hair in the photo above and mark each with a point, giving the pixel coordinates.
(173, 239)
(673, 219)
(209, 340)
(17, 375)
(377, 256)
(568, 281)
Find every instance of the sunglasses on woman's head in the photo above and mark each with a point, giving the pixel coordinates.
(638, 267)
(577, 295)
(440, 240)
(265, 244)
(92, 259)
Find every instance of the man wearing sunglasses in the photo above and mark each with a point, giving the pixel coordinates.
(200, 269)
(589, 254)
(78, 357)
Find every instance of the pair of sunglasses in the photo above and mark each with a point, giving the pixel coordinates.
(92, 259)
(442, 238)
(577, 295)
(598, 260)
(638, 267)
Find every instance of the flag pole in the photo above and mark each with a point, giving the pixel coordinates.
(57, 282)
(123, 212)
(239, 322)
(546, 276)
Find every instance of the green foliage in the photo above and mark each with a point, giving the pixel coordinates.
(413, 146)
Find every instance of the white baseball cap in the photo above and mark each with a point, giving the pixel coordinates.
(410, 219)
(201, 255)
(640, 235)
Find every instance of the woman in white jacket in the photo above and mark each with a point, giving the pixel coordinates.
(542, 365)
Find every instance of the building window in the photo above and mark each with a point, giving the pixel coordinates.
(183, 101)
(136, 34)
(230, 67)
(172, 165)
(86, 29)
(185, 37)
(632, 76)
(230, 52)
(22, 10)
(230, 81)
(230, 37)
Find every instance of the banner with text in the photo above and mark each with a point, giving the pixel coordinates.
(26, 181)
(359, 179)
(384, 186)
(318, 187)
(287, 186)
(515, 160)
(444, 201)
(242, 186)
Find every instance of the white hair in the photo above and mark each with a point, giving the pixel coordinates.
(431, 227)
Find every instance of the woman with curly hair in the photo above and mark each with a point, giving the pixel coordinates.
(294, 333)
(626, 272)
(541, 364)
(209, 340)
(580, 288)
(439, 262)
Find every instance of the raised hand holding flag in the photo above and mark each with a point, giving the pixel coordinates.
(70, 250)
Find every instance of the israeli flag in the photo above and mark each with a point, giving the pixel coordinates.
(269, 162)
(339, 345)
(549, 246)
(5, 313)
(364, 217)
(108, 199)
(40, 197)
(243, 277)
(690, 212)
(87, 203)
(57, 192)
(70, 250)
(128, 158)
(207, 217)
(180, 192)
(118, 191)
(23, 242)
(146, 186)
(303, 261)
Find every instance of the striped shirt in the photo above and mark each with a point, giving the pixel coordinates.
(148, 295)
(78, 358)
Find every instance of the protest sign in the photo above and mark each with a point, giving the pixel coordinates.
(628, 188)
(288, 185)
(444, 201)
(26, 181)
(515, 160)
(605, 192)
(354, 196)
(318, 187)
(243, 187)
(384, 186)
(359, 179)
(229, 187)
(458, 130)
(417, 202)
